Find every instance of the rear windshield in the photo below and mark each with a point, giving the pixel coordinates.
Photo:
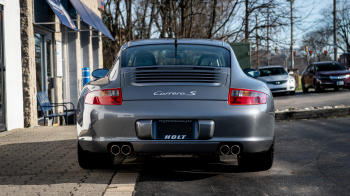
(172, 54)
(272, 72)
(329, 67)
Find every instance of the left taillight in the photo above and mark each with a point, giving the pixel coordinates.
(246, 97)
(104, 97)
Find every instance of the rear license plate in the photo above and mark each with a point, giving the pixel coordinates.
(174, 129)
(340, 83)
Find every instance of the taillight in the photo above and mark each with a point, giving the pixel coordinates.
(246, 97)
(104, 97)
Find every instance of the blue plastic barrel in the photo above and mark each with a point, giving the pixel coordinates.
(86, 75)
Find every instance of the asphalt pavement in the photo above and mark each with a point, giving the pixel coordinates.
(312, 157)
(312, 99)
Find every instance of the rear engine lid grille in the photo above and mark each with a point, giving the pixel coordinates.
(175, 76)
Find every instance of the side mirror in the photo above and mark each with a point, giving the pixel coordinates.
(99, 73)
(251, 72)
(291, 72)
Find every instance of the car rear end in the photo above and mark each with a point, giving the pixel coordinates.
(203, 106)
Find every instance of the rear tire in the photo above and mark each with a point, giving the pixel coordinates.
(257, 161)
(89, 160)
(305, 90)
(291, 92)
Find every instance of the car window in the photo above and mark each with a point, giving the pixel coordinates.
(329, 67)
(169, 54)
(273, 71)
(114, 72)
(312, 68)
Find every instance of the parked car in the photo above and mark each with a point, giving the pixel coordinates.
(184, 96)
(322, 75)
(277, 79)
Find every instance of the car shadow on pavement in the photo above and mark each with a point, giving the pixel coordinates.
(183, 169)
(46, 163)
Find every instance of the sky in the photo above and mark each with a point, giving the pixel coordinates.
(310, 10)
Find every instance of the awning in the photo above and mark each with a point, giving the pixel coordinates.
(84, 15)
(89, 17)
(62, 14)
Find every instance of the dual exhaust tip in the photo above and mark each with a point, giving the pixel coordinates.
(234, 150)
(116, 150)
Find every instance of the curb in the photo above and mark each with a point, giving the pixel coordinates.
(317, 113)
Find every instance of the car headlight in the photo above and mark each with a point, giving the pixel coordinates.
(323, 77)
(348, 76)
(291, 81)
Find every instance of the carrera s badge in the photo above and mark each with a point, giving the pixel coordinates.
(192, 93)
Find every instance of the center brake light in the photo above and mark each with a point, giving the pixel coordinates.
(104, 97)
(246, 97)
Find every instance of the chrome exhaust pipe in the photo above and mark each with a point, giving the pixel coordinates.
(115, 150)
(126, 150)
(224, 149)
(235, 149)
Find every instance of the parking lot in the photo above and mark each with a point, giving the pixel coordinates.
(312, 157)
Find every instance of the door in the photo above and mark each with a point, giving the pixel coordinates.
(44, 68)
(39, 67)
(2, 81)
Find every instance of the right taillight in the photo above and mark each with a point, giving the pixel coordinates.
(104, 97)
(246, 97)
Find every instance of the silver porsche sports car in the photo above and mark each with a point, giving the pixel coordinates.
(175, 96)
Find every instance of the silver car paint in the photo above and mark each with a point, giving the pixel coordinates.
(286, 85)
(251, 126)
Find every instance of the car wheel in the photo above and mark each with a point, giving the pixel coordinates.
(317, 86)
(89, 160)
(305, 90)
(257, 161)
(291, 92)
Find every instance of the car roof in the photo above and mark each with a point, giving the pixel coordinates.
(211, 42)
(324, 62)
(271, 66)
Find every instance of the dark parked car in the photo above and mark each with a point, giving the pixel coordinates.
(322, 75)
(167, 96)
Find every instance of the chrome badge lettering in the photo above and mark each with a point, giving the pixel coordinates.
(174, 137)
(192, 93)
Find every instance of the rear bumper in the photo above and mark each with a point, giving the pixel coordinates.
(252, 127)
(248, 145)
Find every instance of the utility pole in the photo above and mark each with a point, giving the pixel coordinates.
(257, 39)
(268, 36)
(246, 21)
(335, 31)
(291, 39)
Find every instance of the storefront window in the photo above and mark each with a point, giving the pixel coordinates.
(69, 8)
(43, 13)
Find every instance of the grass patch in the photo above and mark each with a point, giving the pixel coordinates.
(299, 88)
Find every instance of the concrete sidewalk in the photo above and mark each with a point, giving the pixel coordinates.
(43, 161)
